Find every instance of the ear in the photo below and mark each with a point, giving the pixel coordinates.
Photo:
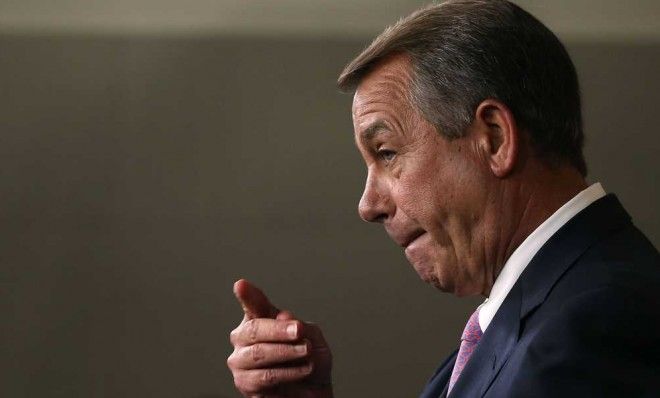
(498, 135)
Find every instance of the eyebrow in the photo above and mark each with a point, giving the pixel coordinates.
(375, 128)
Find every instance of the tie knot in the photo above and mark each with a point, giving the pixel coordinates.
(472, 331)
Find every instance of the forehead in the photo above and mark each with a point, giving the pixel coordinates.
(386, 85)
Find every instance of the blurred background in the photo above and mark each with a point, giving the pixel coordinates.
(153, 152)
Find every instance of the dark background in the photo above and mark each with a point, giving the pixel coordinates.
(141, 176)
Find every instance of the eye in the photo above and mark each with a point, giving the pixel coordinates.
(386, 154)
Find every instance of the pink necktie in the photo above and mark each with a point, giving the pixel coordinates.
(469, 340)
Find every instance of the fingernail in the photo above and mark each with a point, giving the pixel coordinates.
(300, 349)
(292, 330)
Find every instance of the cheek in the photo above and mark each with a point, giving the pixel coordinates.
(417, 196)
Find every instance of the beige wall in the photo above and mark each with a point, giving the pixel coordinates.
(575, 19)
(142, 175)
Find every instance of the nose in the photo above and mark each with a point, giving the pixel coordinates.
(375, 204)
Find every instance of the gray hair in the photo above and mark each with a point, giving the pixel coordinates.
(465, 51)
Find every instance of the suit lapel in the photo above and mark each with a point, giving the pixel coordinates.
(437, 386)
(600, 219)
(594, 223)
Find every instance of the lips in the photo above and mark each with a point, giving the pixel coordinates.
(406, 238)
(414, 238)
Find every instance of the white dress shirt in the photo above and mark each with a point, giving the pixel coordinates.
(519, 259)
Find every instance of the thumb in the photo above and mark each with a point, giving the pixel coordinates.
(254, 302)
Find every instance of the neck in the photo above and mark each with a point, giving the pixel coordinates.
(525, 203)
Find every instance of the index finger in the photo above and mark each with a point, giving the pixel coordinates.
(254, 302)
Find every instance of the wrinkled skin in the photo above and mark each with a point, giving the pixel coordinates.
(459, 207)
(275, 354)
(414, 179)
(430, 193)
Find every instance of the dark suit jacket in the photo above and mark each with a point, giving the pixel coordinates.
(583, 319)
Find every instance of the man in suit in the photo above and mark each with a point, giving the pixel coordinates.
(467, 115)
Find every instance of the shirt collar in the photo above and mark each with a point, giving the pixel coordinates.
(519, 259)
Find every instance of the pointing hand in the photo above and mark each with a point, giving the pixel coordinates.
(275, 354)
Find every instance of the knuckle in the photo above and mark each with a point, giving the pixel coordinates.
(285, 351)
(240, 384)
(231, 361)
(234, 336)
(268, 377)
(257, 353)
(245, 384)
(252, 330)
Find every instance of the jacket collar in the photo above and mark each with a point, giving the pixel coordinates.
(561, 251)
(437, 386)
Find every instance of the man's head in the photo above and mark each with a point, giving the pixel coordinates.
(456, 109)
(465, 51)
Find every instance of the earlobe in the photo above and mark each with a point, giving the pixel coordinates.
(500, 135)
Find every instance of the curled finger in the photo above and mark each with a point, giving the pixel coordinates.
(261, 380)
(262, 330)
(263, 355)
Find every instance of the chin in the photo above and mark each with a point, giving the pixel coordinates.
(443, 282)
(433, 264)
(443, 279)
(435, 282)
(440, 284)
(429, 275)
